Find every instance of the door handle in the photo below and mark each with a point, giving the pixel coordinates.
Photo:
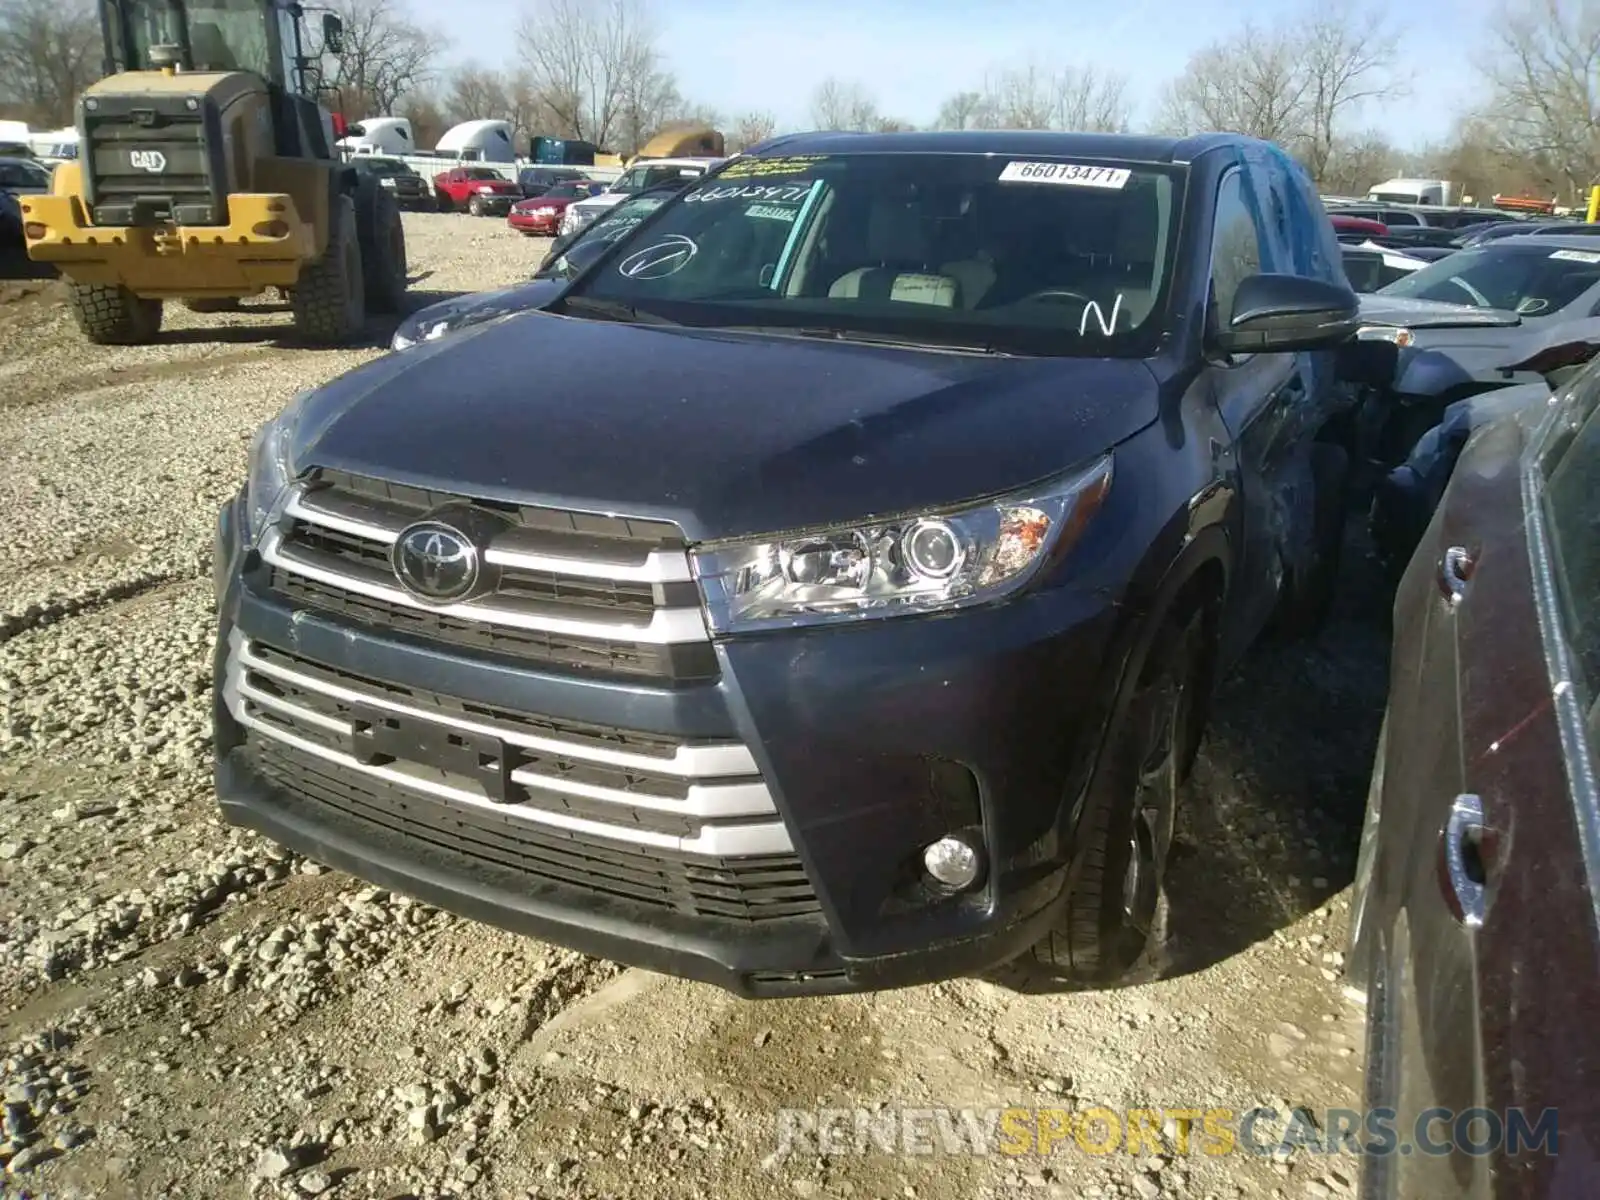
(1455, 572)
(1465, 877)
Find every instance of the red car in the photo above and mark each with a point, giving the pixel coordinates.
(1346, 228)
(541, 216)
(481, 191)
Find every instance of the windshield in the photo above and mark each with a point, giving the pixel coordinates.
(485, 173)
(383, 166)
(637, 179)
(1041, 257)
(568, 191)
(224, 35)
(1525, 280)
(611, 225)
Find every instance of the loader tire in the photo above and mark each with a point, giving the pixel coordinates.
(330, 301)
(383, 248)
(111, 315)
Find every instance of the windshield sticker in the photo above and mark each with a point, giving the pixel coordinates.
(756, 168)
(1107, 326)
(1583, 256)
(667, 257)
(1069, 174)
(790, 193)
(772, 212)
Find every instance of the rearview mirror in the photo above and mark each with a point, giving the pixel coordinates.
(579, 258)
(1273, 313)
(332, 34)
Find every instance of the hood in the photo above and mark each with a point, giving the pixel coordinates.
(461, 312)
(727, 434)
(1378, 308)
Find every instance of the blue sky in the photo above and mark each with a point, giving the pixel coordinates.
(736, 55)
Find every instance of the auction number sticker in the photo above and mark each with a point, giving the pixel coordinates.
(1069, 174)
(1583, 256)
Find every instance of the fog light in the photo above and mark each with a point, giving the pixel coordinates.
(953, 863)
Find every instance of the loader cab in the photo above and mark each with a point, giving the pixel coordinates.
(268, 38)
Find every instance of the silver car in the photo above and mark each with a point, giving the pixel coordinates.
(1541, 279)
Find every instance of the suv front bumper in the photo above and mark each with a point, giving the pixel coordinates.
(873, 742)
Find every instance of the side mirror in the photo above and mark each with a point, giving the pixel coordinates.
(1273, 313)
(332, 34)
(579, 258)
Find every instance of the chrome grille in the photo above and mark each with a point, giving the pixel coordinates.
(690, 825)
(590, 592)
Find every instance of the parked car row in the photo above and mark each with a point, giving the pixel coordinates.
(867, 661)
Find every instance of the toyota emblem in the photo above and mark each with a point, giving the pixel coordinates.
(436, 562)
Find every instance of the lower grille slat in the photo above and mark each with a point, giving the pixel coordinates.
(645, 829)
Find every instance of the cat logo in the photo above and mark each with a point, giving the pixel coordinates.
(148, 160)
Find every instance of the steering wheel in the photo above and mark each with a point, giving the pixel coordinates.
(1478, 297)
(1057, 294)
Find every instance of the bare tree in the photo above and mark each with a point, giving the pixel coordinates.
(837, 104)
(1297, 82)
(1544, 75)
(595, 65)
(751, 128)
(1346, 57)
(1354, 162)
(1091, 101)
(1029, 97)
(479, 92)
(1251, 84)
(385, 57)
(963, 110)
(49, 52)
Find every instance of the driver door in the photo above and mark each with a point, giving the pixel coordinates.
(1254, 395)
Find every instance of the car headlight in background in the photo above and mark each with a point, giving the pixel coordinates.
(271, 471)
(486, 190)
(386, 181)
(409, 335)
(914, 564)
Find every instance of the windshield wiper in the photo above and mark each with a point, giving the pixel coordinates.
(612, 310)
(832, 334)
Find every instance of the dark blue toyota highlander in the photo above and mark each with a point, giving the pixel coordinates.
(823, 588)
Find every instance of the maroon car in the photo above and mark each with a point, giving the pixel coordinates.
(1475, 932)
(541, 216)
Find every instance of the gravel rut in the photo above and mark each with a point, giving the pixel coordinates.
(187, 1011)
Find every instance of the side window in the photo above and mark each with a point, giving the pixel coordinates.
(1572, 504)
(1235, 246)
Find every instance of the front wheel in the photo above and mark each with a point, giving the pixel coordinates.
(330, 300)
(111, 315)
(475, 206)
(1116, 910)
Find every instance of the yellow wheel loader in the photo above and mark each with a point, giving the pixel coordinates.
(206, 173)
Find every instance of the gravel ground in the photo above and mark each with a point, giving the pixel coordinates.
(188, 1011)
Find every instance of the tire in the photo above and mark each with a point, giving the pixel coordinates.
(445, 204)
(383, 248)
(111, 315)
(330, 299)
(1114, 911)
(1308, 595)
(475, 206)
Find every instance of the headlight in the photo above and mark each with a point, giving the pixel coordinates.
(917, 563)
(543, 212)
(271, 471)
(386, 181)
(486, 190)
(426, 331)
